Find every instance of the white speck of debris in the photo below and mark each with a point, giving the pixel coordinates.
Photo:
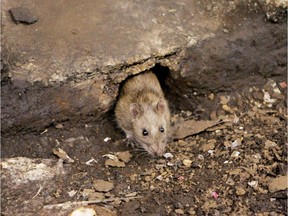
(253, 184)
(170, 164)
(107, 139)
(235, 154)
(225, 30)
(168, 155)
(226, 162)
(211, 152)
(257, 156)
(83, 211)
(267, 98)
(241, 128)
(57, 142)
(59, 126)
(236, 119)
(236, 143)
(160, 177)
(217, 131)
(89, 162)
(72, 193)
(45, 131)
(200, 157)
(276, 90)
(111, 156)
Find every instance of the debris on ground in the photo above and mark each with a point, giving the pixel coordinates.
(204, 171)
(23, 15)
(62, 155)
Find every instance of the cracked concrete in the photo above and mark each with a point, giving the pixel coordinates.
(69, 64)
(72, 40)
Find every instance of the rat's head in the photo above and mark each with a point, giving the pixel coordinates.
(151, 125)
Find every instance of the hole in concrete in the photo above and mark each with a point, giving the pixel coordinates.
(163, 74)
(160, 71)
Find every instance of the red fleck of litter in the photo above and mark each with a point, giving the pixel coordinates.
(283, 85)
(215, 195)
(181, 178)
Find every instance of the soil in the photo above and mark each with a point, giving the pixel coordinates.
(203, 50)
(225, 170)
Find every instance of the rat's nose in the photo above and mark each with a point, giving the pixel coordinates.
(159, 152)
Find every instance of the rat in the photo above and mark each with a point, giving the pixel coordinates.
(142, 112)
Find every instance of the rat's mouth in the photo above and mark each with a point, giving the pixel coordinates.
(155, 151)
(151, 148)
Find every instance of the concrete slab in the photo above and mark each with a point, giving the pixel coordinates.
(74, 40)
(68, 65)
(60, 66)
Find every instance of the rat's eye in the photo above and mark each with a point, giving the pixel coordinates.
(162, 130)
(145, 132)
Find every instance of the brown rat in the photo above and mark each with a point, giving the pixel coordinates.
(143, 113)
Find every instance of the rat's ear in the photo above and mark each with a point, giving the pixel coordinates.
(135, 109)
(161, 105)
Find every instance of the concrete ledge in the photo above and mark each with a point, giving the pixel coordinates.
(69, 64)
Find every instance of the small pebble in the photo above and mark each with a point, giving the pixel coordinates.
(235, 154)
(23, 15)
(83, 211)
(236, 143)
(179, 211)
(187, 163)
(167, 155)
(59, 126)
(240, 191)
(200, 157)
(102, 186)
(107, 139)
(253, 184)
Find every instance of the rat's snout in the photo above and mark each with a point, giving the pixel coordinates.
(158, 151)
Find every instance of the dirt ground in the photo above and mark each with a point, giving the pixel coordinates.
(233, 168)
(237, 165)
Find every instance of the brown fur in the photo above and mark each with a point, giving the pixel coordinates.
(142, 105)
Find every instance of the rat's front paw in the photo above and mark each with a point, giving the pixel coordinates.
(130, 142)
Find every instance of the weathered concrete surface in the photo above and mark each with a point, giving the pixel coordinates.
(243, 56)
(30, 177)
(69, 64)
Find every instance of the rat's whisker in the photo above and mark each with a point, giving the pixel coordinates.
(143, 153)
